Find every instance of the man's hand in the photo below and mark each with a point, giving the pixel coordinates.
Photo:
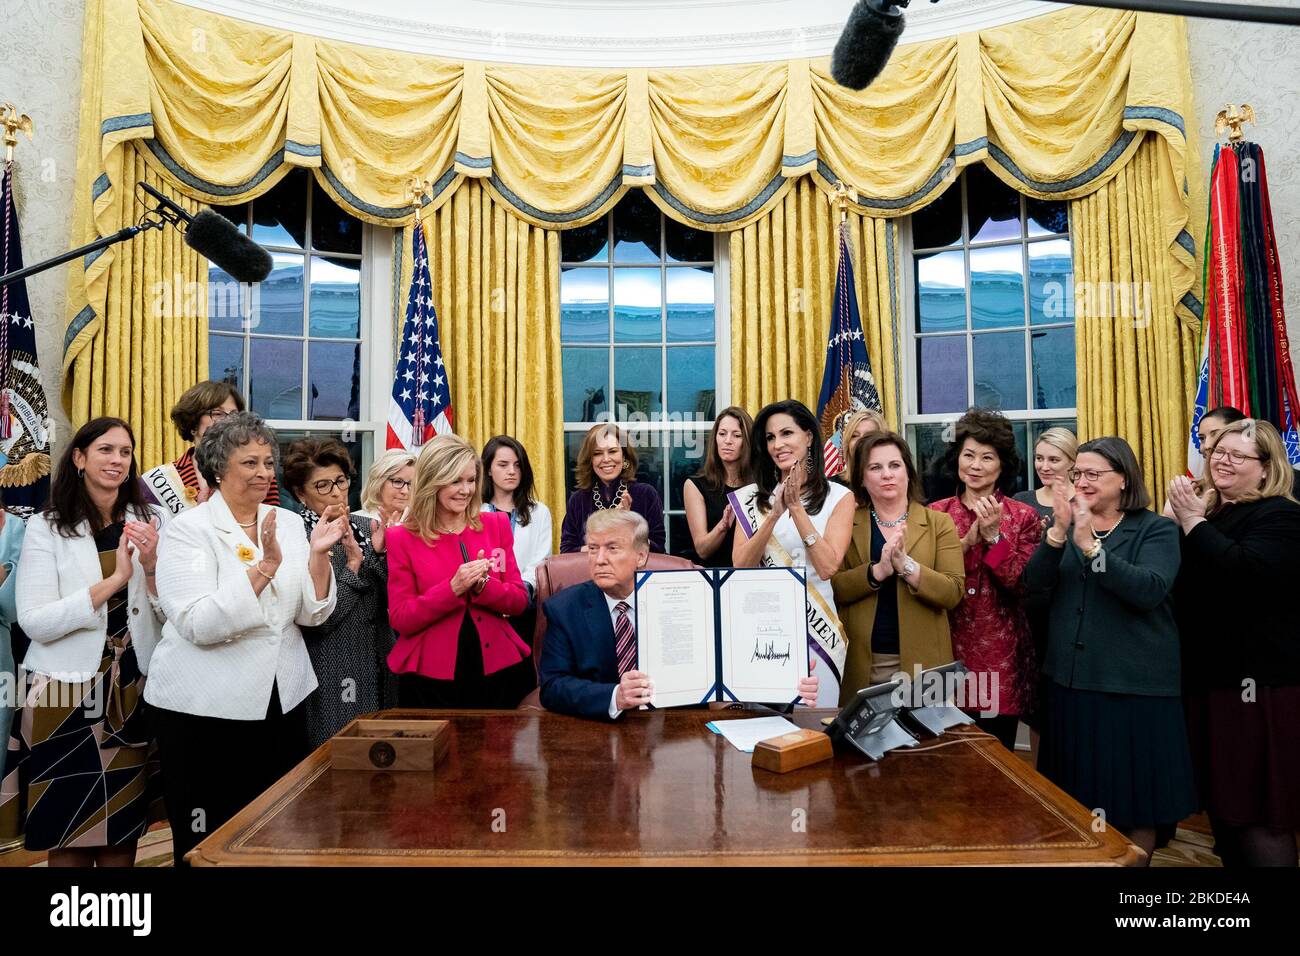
(634, 689)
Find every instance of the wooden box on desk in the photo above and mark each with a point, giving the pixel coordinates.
(390, 745)
(799, 748)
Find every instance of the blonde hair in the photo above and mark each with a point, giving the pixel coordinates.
(1062, 439)
(384, 467)
(612, 519)
(850, 426)
(1268, 445)
(439, 464)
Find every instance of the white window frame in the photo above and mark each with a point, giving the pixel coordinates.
(721, 354)
(911, 338)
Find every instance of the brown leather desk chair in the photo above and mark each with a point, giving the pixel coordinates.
(560, 571)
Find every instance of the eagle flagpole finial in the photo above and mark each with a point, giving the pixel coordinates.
(1232, 118)
(14, 123)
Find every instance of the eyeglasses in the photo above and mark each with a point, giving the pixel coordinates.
(401, 484)
(1092, 474)
(216, 414)
(1219, 454)
(325, 486)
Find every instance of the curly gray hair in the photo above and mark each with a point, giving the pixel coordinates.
(219, 442)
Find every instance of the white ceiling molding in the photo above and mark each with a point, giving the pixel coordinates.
(613, 33)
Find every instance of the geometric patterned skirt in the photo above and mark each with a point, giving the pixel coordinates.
(76, 774)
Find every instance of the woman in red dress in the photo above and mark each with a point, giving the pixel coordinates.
(990, 631)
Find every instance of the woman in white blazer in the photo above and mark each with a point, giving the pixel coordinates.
(236, 578)
(76, 780)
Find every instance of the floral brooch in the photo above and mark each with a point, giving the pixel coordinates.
(245, 553)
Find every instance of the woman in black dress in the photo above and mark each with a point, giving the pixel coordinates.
(1241, 643)
(726, 469)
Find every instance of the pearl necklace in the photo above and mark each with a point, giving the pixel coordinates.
(1103, 535)
(618, 497)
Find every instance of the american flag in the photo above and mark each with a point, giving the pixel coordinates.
(847, 382)
(421, 406)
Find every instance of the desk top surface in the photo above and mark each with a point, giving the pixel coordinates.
(534, 788)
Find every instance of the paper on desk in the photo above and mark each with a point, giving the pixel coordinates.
(743, 734)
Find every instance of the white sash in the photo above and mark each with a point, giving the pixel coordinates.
(824, 625)
(163, 487)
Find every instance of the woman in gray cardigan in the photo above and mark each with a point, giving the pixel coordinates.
(1114, 735)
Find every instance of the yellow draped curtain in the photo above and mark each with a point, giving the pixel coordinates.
(219, 110)
(782, 285)
(1136, 355)
(496, 289)
(151, 340)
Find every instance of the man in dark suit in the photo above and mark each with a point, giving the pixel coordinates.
(588, 661)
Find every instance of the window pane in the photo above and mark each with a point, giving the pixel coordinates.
(225, 302)
(690, 305)
(275, 378)
(355, 443)
(1051, 289)
(941, 377)
(572, 442)
(335, 381)
(584, 305)
(1054, 370)
(929, 445)
(638, 309)
(332, 229)
(638, 382)
(650, 459)
(941, 292)
(994, 206)
(278, 302)
(335, 298)
(691, 388)
(1044, 217)
(226, 360)
(997, 294)
(685, 244)
(1000, 370)
(636, 229)
(938, 224)
(589, 243)
(280, 216)
(586, 383)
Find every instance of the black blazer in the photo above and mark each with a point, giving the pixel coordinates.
(1234, 596)
(577, 672)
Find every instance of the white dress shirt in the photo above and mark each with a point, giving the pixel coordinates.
(52, 592)
(224, 645)
(613, 603)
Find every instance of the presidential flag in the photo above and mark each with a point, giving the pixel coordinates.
(847, 382)
(24, 416)
(421, 406)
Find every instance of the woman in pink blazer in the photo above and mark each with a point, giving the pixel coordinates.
(453, 585)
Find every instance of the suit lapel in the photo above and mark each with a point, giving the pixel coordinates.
(918, 523)
(602, 627)
(862, 533)
(87, 555)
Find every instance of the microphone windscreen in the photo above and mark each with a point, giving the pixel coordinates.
(212, 235)
(865, 46)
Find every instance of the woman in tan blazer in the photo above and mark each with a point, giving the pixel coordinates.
(901, 574)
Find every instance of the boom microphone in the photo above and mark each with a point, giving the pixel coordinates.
(215, 237)
(867, 42)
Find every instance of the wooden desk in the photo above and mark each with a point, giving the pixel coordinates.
(533, 788)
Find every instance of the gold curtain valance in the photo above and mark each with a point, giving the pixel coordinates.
(1056, 104)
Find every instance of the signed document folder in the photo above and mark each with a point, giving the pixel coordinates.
(737, 634)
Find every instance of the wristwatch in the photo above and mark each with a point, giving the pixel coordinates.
(810, 540)
(996, 538)
(909, 567)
